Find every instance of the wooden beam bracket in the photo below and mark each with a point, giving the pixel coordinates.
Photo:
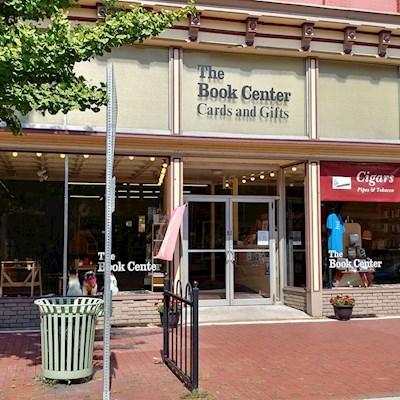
(307, 34)
(384, 42)
(350, 36)
(251, 30)
(194, 27)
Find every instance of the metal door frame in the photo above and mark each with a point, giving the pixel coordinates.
(205, 199)
(271, 250)
(229, 251)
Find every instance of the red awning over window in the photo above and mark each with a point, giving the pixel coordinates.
(369, 182)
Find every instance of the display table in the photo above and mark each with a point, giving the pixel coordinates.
(86, 268)
(157, 281)
(20, 274)
(353, 279)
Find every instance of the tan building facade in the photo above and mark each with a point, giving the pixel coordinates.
(243, 106)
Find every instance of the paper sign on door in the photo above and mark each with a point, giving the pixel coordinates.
(262, 238)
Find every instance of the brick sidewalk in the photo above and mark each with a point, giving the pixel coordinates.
(320, 360)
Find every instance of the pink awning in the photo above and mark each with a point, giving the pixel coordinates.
(171, 236)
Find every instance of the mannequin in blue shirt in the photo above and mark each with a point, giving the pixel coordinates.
(336, 229)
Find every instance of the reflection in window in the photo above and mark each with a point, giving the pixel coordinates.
(139, 220)
(367, 237)
(295, 226)
(31, 218)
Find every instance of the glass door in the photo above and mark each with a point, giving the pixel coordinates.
(251, 250)
(229, 248)
(205, 247)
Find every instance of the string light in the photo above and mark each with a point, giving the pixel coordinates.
(244, 180)
(14, 154)
(272, 174)
(38, 155)
(86, 156)
(131, 157)
(294, 169)
(152, 159)
(262, 176)
(62, 155)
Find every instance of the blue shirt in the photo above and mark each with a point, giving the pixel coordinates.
(335, 226)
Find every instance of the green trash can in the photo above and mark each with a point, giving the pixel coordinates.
(67, 326)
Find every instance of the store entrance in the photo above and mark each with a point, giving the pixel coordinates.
(229, 248)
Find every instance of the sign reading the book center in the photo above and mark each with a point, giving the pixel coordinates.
(247, 95)
(263, 103)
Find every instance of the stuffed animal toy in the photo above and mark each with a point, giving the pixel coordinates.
(114, 285)
(89, 287)
(74, 286)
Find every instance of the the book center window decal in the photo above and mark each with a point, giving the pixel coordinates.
(360, 223)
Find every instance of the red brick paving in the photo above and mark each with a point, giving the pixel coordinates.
(321, 360)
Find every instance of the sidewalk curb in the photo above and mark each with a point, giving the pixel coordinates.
(294, 321)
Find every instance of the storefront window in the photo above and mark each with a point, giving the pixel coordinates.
(360, 213)
(31, 222)
(139, 220)
(229, 177)
(295, 226)
(32, 195)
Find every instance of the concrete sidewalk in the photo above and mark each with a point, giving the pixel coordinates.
(261, 313)
(281, 361)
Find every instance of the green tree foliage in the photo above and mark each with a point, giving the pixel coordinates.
(39, 48)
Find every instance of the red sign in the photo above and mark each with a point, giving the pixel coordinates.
(360, 182)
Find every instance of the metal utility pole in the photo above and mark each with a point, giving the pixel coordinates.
(112, 110)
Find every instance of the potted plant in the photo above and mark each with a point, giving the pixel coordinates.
(174, 312)
(343, 306)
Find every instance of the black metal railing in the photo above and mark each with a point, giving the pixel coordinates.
(181, 332)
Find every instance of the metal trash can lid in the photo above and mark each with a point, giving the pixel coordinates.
(70, 305)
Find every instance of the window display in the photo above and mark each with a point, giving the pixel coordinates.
(32, 195)
(360, 214)
(370, 245)
(335, 228)
(31, 223)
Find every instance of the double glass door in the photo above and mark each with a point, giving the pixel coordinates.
(229, 248)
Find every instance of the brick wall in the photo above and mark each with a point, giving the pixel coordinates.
(295, 298)
(384, 300)
(18, 313)
(389, 6)
(135, 310)
(128, 310)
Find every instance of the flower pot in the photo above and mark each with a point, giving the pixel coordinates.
(343, 313)
(173, 319)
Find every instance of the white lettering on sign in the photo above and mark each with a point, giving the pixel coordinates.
(372, 179)
(337, 261)
(131, 266)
